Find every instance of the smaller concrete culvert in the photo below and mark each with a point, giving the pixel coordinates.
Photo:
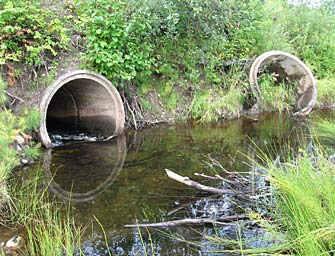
(81, 101)
(288, 67)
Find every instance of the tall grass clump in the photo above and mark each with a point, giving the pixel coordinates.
(49, 225)
(276, 96)
(220, 101)
(305, 202)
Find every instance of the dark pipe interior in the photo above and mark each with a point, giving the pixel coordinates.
(81, 105)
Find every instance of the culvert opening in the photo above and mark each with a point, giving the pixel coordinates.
(286, 68)
(81, 102)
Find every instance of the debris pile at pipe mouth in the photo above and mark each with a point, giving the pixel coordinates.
(59, 139)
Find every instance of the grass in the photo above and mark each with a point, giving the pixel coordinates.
(276, 96)
(220, 101)
(324, 128)
(33, 151)
(303, 214)
(326, 92)
(8, 156)
(49, 225)
(305, 194)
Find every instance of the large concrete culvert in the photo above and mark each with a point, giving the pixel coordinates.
(81, 101)
(288, 67)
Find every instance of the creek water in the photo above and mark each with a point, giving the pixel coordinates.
(122, 181)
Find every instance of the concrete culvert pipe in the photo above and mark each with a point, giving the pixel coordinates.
(81, 101)
(290, 68)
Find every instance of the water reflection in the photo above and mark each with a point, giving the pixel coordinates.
(79, 172)
(84, 172)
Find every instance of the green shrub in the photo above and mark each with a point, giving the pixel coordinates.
(117, 44)
(33, 151)
(29, 33)
(213, 104)
(311, 34)
(8, 156)
(3, 97)
(221, 101)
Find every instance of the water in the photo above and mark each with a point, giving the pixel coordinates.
(122, 181)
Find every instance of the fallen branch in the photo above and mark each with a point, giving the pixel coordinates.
(14, 97)
(187, 181)
(173, 223)
(206, 176)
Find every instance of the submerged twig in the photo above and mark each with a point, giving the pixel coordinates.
(189, 221)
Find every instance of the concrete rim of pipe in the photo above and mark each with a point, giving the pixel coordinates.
(295, 70)
(94, 101)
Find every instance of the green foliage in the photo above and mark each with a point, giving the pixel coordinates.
(29, 33)
(117, 39)
(8, 130)
(33, 151)
(276, 96)
(3, 87)
(191, 41)
(31, 119)
(326, 92)
(221, 101)
(310, 32)
(214, 104)
(10, 126)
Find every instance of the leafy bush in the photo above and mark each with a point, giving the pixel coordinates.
(29, 33)
(117, 39)
(310, 32)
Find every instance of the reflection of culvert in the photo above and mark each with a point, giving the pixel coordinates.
(291, 68)
(81, 101)
(78, 172)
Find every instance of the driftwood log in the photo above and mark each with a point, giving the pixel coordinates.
(187, 181)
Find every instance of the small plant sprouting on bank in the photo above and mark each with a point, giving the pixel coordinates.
(223, 101)
(31, 119)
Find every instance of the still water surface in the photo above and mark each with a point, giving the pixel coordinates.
(123, 181)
